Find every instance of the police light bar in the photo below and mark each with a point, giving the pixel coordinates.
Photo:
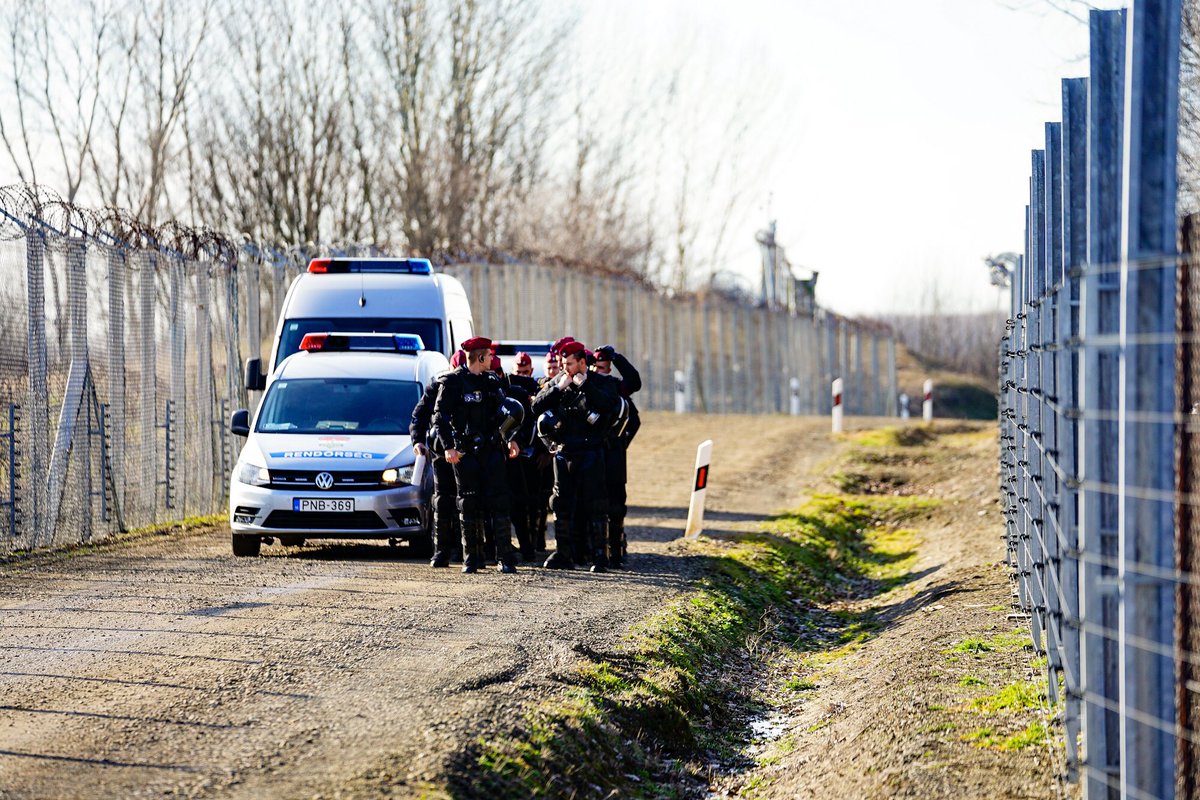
(405, 266)
(406, 343)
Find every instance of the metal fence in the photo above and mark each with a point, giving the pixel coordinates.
(1098, 431)
(121, 349)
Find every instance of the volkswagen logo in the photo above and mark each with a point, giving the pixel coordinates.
(324, 480)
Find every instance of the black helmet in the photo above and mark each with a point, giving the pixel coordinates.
(549, 426)
(512, 414)
(620, 419)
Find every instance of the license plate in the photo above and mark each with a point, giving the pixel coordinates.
(340, 505)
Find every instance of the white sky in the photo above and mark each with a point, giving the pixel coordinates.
(900, 155)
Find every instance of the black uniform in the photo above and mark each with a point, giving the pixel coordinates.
(467, 416)
(616, 472)
(543, 486)
(523, 474)
(445, 491)
(584, 415)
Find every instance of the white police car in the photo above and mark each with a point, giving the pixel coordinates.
(328, 455)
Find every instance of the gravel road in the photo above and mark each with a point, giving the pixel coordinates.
(164, 666)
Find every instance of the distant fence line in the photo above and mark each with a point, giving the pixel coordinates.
(1099, 397)
(121, 349)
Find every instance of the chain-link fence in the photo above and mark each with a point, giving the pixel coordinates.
(121, 349)
(1098, 433)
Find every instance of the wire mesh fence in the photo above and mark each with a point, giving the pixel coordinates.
(121, 348)
(1098, 432)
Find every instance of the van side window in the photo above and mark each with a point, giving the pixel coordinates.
(460, 331)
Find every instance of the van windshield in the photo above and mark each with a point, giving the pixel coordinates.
(344, 405)
(430, 330)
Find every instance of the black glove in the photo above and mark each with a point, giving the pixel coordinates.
(606, 352)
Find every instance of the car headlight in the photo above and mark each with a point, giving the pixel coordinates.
(397, 475)
(252, 474)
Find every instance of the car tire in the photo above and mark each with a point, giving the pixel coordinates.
(246, 545)
(421, 546)
(291, 541)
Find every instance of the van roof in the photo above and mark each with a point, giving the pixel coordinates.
(386, 294)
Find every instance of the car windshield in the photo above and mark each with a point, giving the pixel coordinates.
(430, 330)
(344, 405)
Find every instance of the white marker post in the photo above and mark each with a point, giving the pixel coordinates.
(680, 392)
(795, 404)
(695, 520)
(904, 412)
(838, 383)
(927, 404)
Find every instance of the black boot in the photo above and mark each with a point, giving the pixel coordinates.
(520, 524)
(472, 542)
(502, 534)
(561, 557)
(456, 539)
(539, 527)
(442, 543)
(598, 538)
(616, 543)
(581, 546)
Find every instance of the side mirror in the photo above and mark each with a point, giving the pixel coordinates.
(254, 379)
(239, 422)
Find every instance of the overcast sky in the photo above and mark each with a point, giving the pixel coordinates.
(899, 150)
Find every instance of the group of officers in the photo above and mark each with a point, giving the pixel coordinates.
(507, 449)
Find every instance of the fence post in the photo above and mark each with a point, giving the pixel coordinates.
(1074, 195)
(37, 400)
(115, 417)
(1098, 378)
(1047, 403)
(148, 389)
(1147, 404)
(893, 389)
(837, 403)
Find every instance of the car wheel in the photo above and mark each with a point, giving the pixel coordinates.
(421, 546)
(246, 545)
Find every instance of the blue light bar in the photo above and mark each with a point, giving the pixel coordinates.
(403, 266)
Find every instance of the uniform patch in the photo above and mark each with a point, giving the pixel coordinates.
(473, 397)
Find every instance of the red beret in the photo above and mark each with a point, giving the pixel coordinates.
(558, 345)
(477, 343)
(573, 348)
(523, 359)
(496, 365)
(458, 359)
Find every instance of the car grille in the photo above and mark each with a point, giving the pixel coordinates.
(307, 479)
(316, 521)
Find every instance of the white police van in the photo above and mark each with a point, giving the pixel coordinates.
(328, 455)
(384, 295)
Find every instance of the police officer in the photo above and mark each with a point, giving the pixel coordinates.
(616, 448)
(524, 476)
(445, 491)
(575, 411)
(473, 417)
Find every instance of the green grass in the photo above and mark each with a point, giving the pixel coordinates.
(662, 691)
(1035, 735)
(970, 680)
(1019, 696)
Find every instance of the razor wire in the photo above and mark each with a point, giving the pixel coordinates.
(122, 345)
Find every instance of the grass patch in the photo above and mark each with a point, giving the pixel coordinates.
(800, 685)
(1035, 735)
(1014, 697)
(662, 692)
(906, 436)
(970, 680)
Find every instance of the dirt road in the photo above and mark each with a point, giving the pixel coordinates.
(165, 666)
